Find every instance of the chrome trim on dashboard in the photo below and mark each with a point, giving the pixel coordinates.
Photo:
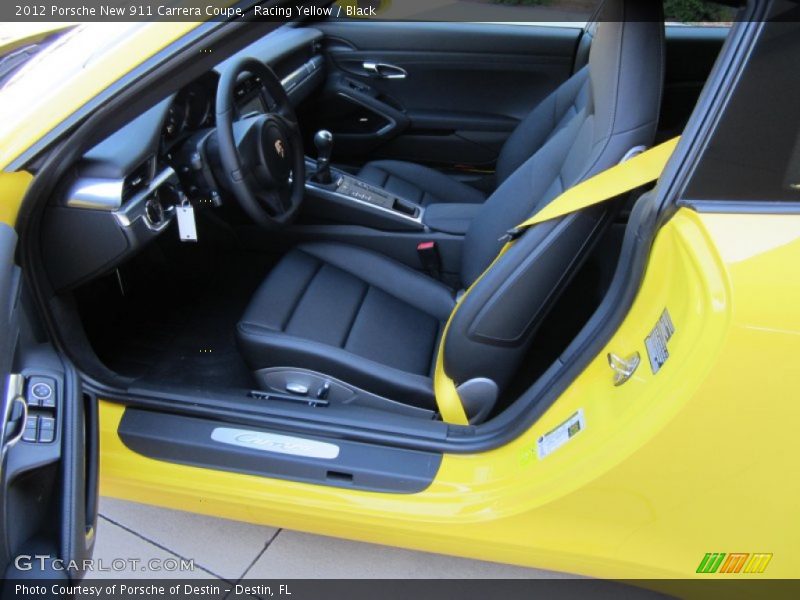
(95, 193)
(135, 208)
(106, 193)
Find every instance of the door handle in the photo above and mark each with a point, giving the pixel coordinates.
(22, 420)
(13, 396)
(384, 70)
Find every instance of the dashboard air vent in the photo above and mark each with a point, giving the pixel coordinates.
(138, 179)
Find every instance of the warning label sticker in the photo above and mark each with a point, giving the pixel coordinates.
(553, 440)
(656, 342)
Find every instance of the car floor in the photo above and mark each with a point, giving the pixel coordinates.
(169, 316)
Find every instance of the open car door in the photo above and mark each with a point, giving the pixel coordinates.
(48, 501)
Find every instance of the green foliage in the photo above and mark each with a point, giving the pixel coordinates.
(522, 2)
(684, 11)
(687, 11)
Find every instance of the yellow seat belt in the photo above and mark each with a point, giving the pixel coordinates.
(642, 169)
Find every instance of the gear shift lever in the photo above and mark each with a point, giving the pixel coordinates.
(323, 140)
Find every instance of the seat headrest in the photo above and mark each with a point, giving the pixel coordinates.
(628, 44)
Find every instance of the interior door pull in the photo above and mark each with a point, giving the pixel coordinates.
(13, 396)
(384, 70)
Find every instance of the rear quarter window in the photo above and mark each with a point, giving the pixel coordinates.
(754, 153)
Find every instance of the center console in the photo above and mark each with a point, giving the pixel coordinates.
(354, 201)
(334, 194)
(346, 209)
(361, 191)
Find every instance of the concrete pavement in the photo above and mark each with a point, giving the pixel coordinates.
(230, 550)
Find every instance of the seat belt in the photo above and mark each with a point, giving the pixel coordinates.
(635, 172)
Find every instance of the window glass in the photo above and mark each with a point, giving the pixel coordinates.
(690, 12)
(754, 153)
(698, 13)
(565, 12)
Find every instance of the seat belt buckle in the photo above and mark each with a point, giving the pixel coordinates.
(511, 235)
(429, 258)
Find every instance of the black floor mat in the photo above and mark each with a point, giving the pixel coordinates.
(176, 321)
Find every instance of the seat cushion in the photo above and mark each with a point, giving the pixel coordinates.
(418, 184)
(352, 314)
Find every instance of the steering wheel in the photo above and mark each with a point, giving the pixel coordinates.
(261, 155)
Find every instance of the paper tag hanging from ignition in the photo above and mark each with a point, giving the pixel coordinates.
(187, 227)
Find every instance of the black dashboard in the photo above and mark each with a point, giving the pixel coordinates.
(125, 190)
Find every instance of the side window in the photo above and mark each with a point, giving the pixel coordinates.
(522, 12)
(754, 153)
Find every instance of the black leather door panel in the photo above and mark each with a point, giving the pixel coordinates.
(465, 86)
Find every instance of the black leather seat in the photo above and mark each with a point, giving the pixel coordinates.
(425, 186)
(350, 313)
(368, 320)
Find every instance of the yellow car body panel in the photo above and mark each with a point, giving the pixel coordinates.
(693, 459)
(12, 190)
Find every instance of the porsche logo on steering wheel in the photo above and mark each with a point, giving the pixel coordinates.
(280, 149)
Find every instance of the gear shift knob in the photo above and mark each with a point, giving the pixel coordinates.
(323, 140)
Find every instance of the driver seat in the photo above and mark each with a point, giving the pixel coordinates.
(368, 320)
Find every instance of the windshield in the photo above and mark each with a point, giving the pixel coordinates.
(20, 42)
(65, 52)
